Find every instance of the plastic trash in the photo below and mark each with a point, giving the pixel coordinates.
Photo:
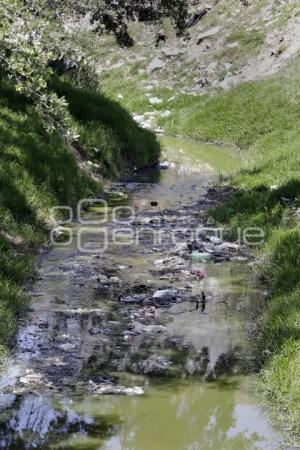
(200, 257)
(165, 294)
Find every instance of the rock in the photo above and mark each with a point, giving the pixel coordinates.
(43, 325)
(171, 52)
(138, 118)
(155, 101)
(138, 298)
(115, 280)
(101, 279)
(111, 389)
(227, 246)
(215, 240)
(159, 130)
(195, 245)
(156, 64)
(165, 295)
(233, 44)
(179, 249)
(297, 214)
(118, 65)
(171, 263)
(31, 378)
(95, 331)
(207, 34)
(155, 365)
(197, 15)
(154, 204)
(165, 114)
(150, 114)
(140, 328)
(67, 347)
(212, 67)
(150, 311)
(163, 165)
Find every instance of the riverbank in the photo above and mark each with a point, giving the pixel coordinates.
(40, 171)
(260, 120)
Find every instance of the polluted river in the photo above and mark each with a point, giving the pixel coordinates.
(112, 352)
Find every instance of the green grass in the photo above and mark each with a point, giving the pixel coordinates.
(242, 116)
(281, 383)
(37, 172)
(248, 40)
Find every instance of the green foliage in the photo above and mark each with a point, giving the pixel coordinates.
(28, 41)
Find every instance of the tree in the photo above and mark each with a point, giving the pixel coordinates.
(113, 16)
(24, 60)
(32, 33)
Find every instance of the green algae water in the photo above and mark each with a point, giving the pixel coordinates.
(221, 160)
(181, 415)
(193, 372)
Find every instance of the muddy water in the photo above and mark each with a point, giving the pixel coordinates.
(184, 371)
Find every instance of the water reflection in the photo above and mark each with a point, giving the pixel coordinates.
(184, 415)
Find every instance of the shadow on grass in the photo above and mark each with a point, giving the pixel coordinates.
(136, 146)
(248, 204)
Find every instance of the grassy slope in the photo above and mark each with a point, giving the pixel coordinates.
(262, 120)
(104, 124)
(38, 172)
